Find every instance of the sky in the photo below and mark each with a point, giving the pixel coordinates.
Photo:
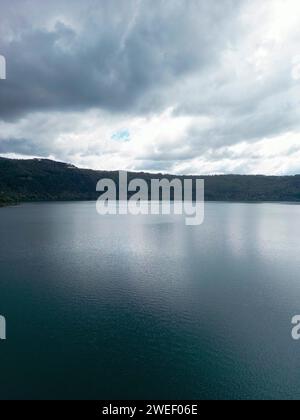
(177, 86)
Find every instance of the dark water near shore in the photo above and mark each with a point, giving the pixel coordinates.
(129, 308)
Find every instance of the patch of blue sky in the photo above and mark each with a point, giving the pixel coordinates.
(121, 135)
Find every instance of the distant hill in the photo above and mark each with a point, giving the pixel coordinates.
(45, 180)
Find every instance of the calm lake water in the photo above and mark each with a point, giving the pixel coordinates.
(130, 307)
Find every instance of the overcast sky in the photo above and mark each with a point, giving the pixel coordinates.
(180, 86)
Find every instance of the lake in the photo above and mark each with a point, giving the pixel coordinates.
(124, 307)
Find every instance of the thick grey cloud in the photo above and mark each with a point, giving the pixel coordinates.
(203, 86)
(119, 55)
(21, 146)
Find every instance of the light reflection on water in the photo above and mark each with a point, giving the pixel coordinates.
(147, 307)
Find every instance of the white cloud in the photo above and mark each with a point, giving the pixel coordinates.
(215, 90)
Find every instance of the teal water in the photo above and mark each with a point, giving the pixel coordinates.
(121, 307)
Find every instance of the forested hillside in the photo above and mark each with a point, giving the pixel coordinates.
(45, 180)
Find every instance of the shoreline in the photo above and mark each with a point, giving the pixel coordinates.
(16, 204)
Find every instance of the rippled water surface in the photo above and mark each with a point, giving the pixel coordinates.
(130, 307)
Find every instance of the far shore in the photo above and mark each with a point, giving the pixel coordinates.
(15, 204)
